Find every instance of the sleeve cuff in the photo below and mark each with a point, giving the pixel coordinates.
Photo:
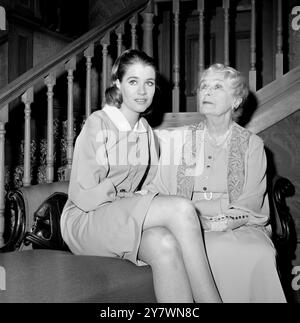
(223, 222)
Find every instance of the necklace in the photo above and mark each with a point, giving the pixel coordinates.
(221, 140)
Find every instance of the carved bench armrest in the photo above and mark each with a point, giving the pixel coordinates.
(21, 204)
(15, 221)
(282, 221)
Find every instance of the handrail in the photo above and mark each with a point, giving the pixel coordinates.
(276, 101)
(277, 88)
(18, 86)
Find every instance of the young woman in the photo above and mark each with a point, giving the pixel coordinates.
(109, 214)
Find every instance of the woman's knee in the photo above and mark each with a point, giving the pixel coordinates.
(184, 212)
(172, 212)
(160, 247)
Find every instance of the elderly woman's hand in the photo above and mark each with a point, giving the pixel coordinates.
(205, 223)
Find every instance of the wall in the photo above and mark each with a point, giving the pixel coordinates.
(3, 65)
(282, 142)
(46, 45)
(293, 137)
(103, 9)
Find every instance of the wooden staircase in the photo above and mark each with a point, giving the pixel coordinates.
(276, 101)
(27, 85)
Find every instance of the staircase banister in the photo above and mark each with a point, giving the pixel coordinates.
(276, 101)
(277, 88)
(18, 86)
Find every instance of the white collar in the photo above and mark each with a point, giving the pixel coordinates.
(119, 120)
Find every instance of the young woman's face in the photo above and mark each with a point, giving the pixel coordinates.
(137, 87)
(216, 95)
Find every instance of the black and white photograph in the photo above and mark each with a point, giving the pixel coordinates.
(149, 155)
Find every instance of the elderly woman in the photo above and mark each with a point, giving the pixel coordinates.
(221, 167)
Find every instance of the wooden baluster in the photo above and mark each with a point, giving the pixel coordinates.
(201, 63)
(148, 29)
(2, 181)
(279, 54)
(27, 99)
(133, 22)
(176, 68)
(70, 66)
(252, 72)
(89, 54)
(226, 5)
(50, 81)
(120, 32)
(105, 41)
(3, 121)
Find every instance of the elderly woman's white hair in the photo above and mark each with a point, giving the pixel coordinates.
(236, 80)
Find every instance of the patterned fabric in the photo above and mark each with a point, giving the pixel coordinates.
(236, 162)
(185, 182)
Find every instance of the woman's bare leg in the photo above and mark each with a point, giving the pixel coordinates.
(161, 251)
(179, 216)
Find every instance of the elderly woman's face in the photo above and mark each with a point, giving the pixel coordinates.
(216, 95)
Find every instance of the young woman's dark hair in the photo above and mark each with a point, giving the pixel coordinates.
(129, 57)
